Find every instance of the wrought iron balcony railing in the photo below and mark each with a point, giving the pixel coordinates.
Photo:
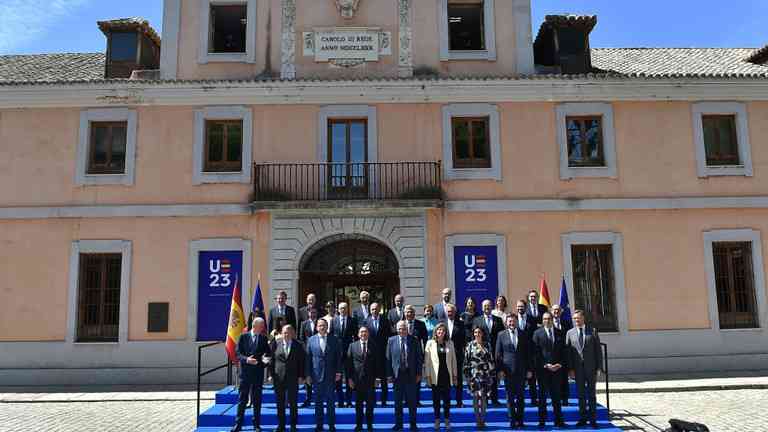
(347, 181)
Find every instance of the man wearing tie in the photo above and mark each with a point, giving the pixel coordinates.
(491, 325)
(396, 314)
(363, 360)
(439, 308)
(252, 351)
(361, 312)
(311, 304)
(345, 329)
(535, 310)
(563, 325)
(323, 368)
(288, 371)
(416, 327)
(585, 361)
(282, 310)
(308, 329)
(457, 335)
(549, 360)
(513, 360)
(379, 332)
(527, 324)
(405, 360)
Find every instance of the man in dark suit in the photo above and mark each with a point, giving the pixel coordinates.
(439, 308)
(323, 368)
(416, 327)
(396, 314)
(549, 361)
(405, 359)
(514, 361)
(378, 329)
(535, 310)
(456, 333)
(585, 362)
(282, 310)
(527, 324)
(491, 325)
(288, 371)
(311, 304)
(361, 312)
(563, 325)
(345, 330)
(363, 360)
(252, 351)
(307, 330)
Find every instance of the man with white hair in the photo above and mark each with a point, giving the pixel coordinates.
(254, 355)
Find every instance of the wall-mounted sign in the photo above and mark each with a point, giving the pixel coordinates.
(216, 278)
(347, 44)
(476, 273)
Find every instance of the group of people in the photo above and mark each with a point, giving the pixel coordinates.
(338, 353)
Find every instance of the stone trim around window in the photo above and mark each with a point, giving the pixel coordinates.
(245, 114)
(122, 247)
(498, 240)
(204, 56)
(472, 110)
(604, 110)
(82, 178)
(742, 136)
(735, 235)
(488, 54)
(587, 238)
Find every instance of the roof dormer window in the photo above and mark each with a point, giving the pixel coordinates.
(123, 47)
(228, 28)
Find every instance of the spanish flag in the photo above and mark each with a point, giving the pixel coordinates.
(236, 322)
(544, 294)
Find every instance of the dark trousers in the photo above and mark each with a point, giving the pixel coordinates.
(565, 388)
(324, 398)
(308, 389)
(532, 390)
(441, 395)
(459, 388)
(254, 390)
(342, 395)
(514, 383)
(287, 391)
(585, 387)
(405, 389)
(365, 399)
(549, 385)
(384, 387)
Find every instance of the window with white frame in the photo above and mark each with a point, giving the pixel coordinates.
(227, 31)
(721, 135)
(467, 30)
(106, 151)
(735, 277)
(223, 145)
(471, 142)
(586, 137)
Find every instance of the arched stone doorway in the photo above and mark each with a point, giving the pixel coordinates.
(342, 266)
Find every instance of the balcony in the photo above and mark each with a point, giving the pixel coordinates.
(345, 185)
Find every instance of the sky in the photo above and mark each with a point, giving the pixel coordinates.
(49, 26)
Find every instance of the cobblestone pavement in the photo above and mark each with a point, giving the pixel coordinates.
(722, 411)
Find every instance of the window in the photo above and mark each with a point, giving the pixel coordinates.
(585, 141)
(471, 143)
(98, 316)
(228, 28)
(107, 148)
(123, 47)
(721, 135)
(348, 152)
(467, 30)
(585, 135)
(720, 141)
(734, 281)
(223, 145)
(593, 280)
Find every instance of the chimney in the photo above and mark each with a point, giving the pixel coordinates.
(132, 45)
(562, 45)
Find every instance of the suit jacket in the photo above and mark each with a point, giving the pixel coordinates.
(496, 327)
(440, 311)
(419, 331)
(246, 347)
(393, 318)
(527, 324)
(511, 360)
(382, 335)
(346, 335)
(290, 317)
(546, 352)
(414, 357)
(432, 362)
(307, 330)
(357, 313)
(588, 358)
(320, 366)
(362, 368)
(304, 312)
(287, 368)
(541, 309)
(565, 325)
(469, 325)
(458, 337)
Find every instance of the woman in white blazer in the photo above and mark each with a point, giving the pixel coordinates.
(441, 372)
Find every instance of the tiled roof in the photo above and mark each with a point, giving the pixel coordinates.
(678, 62)
(51, 68)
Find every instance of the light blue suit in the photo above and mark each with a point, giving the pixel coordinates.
(322, 367)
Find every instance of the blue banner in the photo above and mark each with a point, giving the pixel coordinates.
(217, 272)
(476, 270)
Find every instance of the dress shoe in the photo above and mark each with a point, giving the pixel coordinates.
(542, 425)
(581, 423)
(459, 404)
(235, 429)
(560, 424)
(397, 427)
(256, 428)
(414, 427)
(305, 404)
(594, 425)
(280, 429)
(565, 403)
(520, 424)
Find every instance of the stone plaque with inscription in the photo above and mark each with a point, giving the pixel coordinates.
(359, 44)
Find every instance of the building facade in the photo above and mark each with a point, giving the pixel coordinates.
(397, 146)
